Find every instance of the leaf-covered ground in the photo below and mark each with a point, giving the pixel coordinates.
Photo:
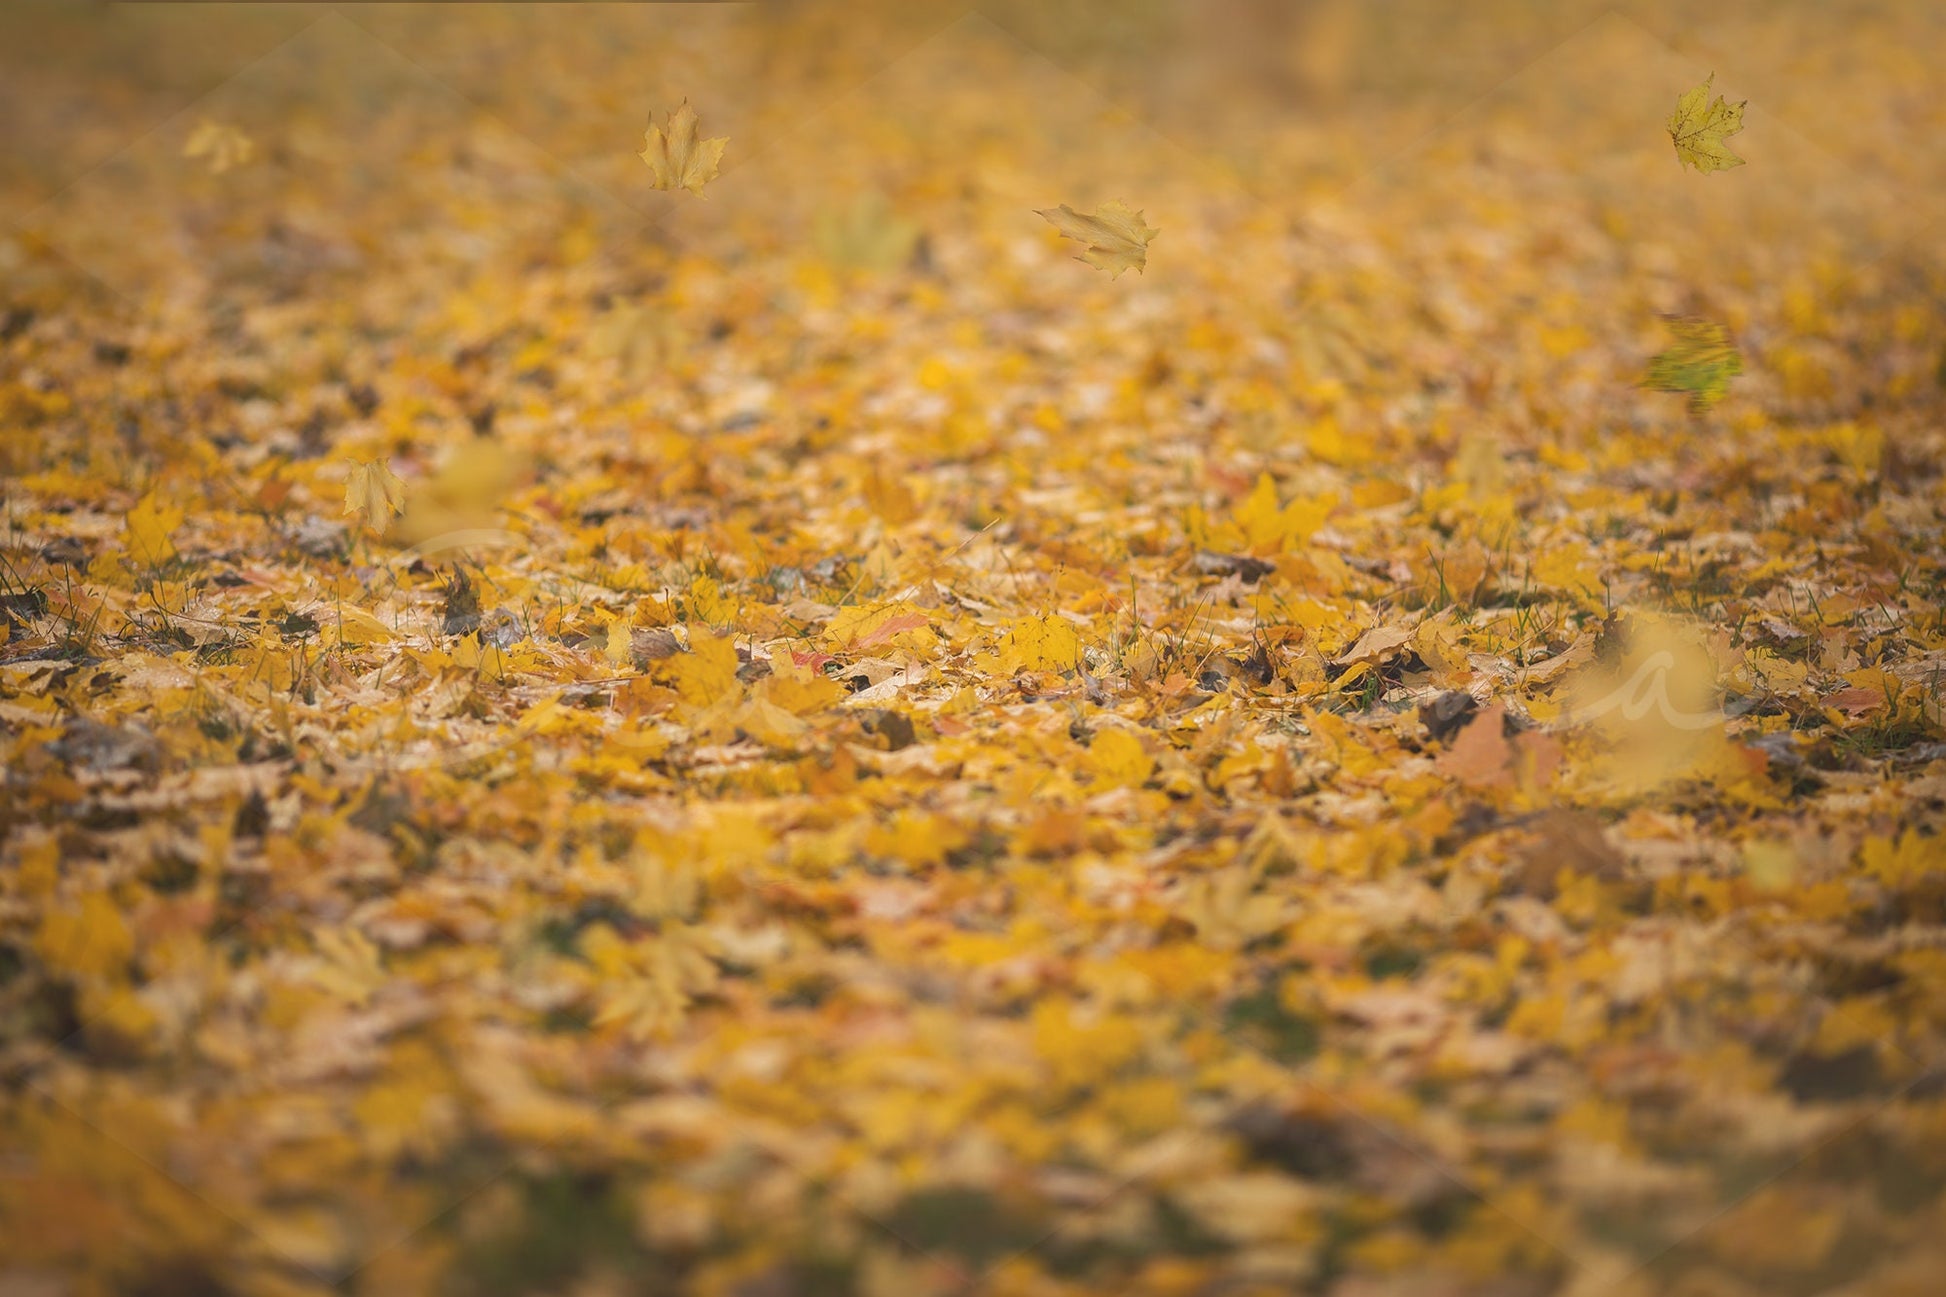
(880, 759)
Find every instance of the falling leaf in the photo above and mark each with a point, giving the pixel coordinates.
(1701, 362)
(1699, 127)
(1115, 237)
(224, 145)
(373, 495)
(677, 159)
(466, 496)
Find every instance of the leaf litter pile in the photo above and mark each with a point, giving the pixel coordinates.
(757, 725)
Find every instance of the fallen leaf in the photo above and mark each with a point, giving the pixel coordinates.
(148, 531)
(1857, 701)
(1375, 646)
(1045, 643)
(1483, 757)
(707, 672)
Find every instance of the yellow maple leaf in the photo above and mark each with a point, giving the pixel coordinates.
(647, 985)
(1902, 863)
(1118, 759)
(1041, 644)
(488, 659)
(676, 157)
(1116, 236)
(1699, 126)
(919, 839)
(615, 642)
(861, 627)
(355, 626)
(147, 529)
(797, 689)
(373, 495)
(708, 601)
(1571, 569)
(707, 671)
(349, 966)
(1266, 526)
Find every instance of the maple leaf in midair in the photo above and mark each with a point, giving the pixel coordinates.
(1701, 362)
(373, 494)
(1117, 236)
(1699, 126)
(677, 158)
(225, 146)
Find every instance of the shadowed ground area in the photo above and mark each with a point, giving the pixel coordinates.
(1395, 750)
